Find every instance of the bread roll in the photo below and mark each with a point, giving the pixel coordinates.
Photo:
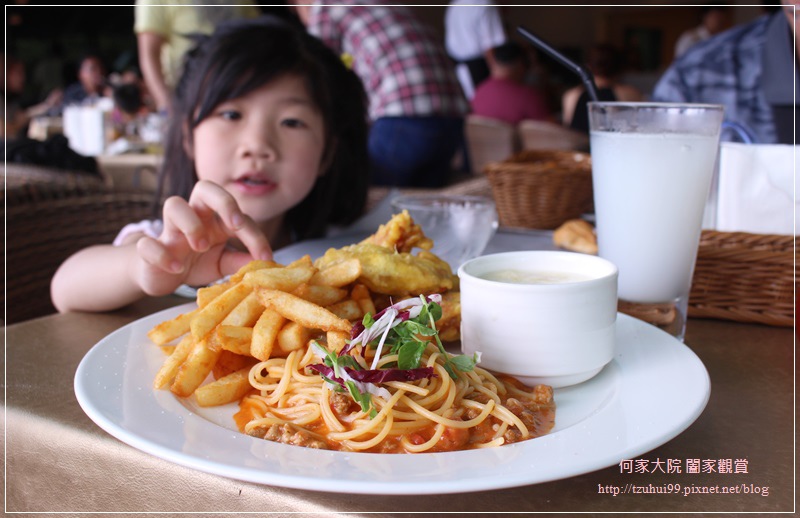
(576, 235)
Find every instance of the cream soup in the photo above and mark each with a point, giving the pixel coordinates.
(515, 276)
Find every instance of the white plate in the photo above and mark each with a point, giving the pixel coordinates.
(634, 405)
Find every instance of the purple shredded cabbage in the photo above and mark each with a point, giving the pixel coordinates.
(356, 330)
(376, 376)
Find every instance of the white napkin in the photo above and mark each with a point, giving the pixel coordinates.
(85, 128)
(756, 188)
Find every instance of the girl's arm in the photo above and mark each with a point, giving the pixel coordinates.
(192, 249)
(97, 278)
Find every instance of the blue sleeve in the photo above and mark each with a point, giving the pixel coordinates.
(671, 87)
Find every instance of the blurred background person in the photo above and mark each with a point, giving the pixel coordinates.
(163, 29)
(415, 102)
(17, 109)
(129, 108)
(128, 99)
(504, 96)
(471, 33)
(714, 18)
(130, 75)
(750, 69)
(92, 82)
(605, 64)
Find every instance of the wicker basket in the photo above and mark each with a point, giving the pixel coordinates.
(541, 189)
(744, 277)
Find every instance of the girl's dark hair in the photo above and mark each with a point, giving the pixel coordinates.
(242, 56)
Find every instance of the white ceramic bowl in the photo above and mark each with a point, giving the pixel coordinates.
(557, 333)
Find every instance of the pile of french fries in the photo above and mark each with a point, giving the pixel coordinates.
(264, 311)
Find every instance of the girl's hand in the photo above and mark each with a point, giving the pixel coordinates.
(192, 247)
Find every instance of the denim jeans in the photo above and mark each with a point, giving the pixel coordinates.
(414, 151)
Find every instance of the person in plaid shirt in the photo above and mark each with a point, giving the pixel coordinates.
(416, 104)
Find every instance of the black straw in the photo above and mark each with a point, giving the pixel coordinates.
(585, 75)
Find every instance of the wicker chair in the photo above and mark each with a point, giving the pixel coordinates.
(45, 224)
(30, 174)
(489, 140)
(544, 135)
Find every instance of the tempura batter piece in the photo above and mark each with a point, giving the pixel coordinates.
(388, 272)
(400, 234)
(387, 265)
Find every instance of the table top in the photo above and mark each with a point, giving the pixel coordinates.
(58, 460)
(131, 170)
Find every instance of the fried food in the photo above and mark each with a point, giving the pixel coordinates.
(391, 273)
(387, 265)
(450, 324)
(400, 234)
(324, 356)
(576, 235)
(267, 310)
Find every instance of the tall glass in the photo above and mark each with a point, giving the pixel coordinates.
(652, 165)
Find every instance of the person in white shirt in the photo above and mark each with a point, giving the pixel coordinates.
(471, 32)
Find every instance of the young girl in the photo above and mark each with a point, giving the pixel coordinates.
(267, 145)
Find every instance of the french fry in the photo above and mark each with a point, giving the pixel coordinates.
(209, 293)
(291, 337)
(336, 340)
(320, 295)
(173, 362)
(209, 317)
(360, 294)
(245, 313)
(303, 261)
(347, 309)
(228, 389)
(265, 332)
(235, 339)
(229, 362)
(165, 332)
(339, 274)
(301, 311)
(251, 267)
(194, 369)
(284, 279)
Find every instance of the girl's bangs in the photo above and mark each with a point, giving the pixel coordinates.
(249, 69)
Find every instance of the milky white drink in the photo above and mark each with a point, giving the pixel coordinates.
(650, 191)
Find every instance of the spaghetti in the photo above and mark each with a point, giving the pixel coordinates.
(370, 397)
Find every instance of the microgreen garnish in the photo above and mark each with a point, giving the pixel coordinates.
(405, 329)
